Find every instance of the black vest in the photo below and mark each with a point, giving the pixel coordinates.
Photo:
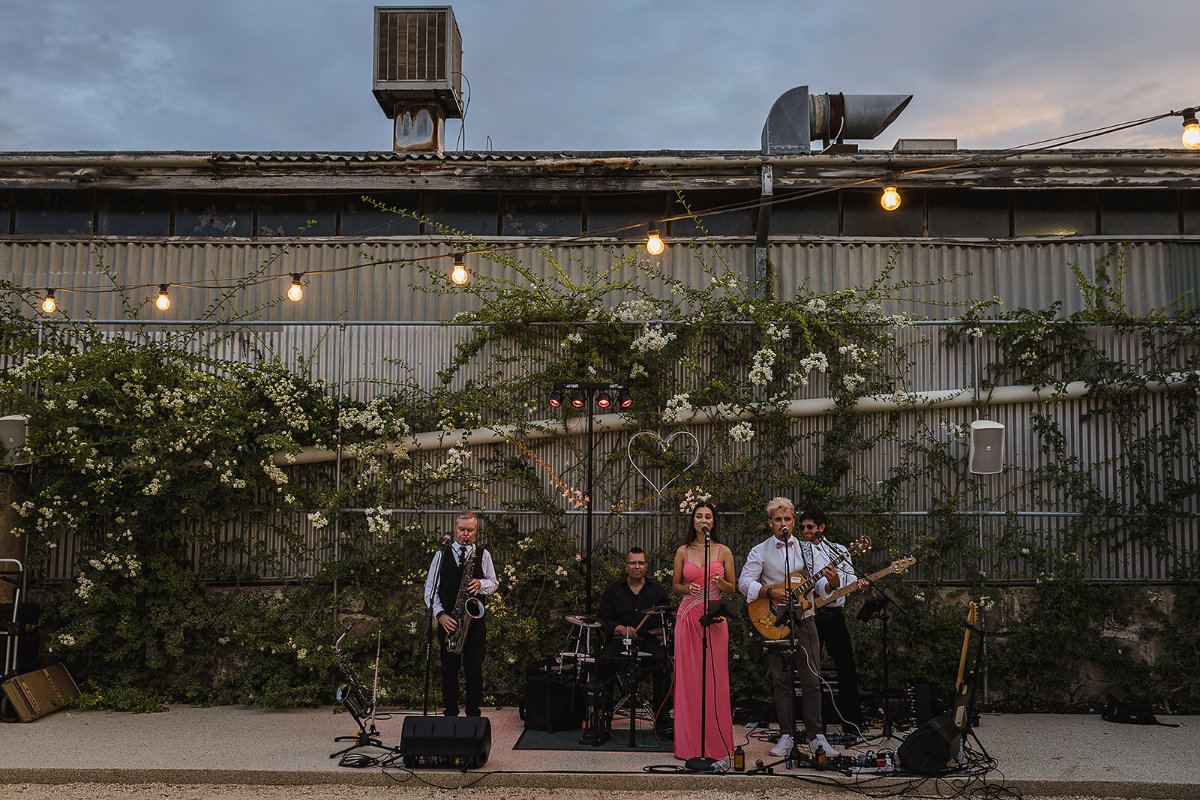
(451, 576)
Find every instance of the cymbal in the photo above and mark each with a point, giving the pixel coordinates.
(583, 620)
(659, 609)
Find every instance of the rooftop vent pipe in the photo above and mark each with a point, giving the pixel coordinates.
(797, 118)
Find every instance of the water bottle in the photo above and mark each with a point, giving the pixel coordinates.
(739, 759)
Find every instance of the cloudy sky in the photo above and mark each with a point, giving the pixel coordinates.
(254, 75)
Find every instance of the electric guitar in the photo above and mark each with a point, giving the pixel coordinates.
(962, 685)
(770, 616)
(895, 568)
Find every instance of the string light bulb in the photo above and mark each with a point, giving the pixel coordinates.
(163, 301)
(654, 242)
(295, 292)
(890, 199)
(49, 304)
(1191, 130)
(459, 273)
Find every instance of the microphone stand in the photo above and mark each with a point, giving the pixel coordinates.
(794, 646)
(703, 763)
(428, 644)
(878, 608)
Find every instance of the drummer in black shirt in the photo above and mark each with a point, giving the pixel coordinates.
(622, 610)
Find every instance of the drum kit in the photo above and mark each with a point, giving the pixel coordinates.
(577, 666)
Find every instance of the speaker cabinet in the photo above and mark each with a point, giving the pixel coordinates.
(552, 703)
(930, 748)
(456, 742)
(986, 456)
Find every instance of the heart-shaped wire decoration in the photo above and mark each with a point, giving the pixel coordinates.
(664, 445)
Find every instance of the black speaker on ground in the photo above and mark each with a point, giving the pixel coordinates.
(930, 748)
(460, 742)
(552, 703)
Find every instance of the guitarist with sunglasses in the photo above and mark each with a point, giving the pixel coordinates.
(830, 619)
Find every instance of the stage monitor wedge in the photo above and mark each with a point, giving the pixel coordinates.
(449, 742)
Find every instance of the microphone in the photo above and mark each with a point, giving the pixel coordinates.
(704, 530)
(446, 539)
(785, 532)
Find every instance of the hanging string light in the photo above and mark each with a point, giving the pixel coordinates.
(1191, 130)
(890, 200)
(163, 301)
(49, 304)
(295, 292)
(459, 274)
(654, 242)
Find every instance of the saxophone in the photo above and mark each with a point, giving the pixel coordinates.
(467, 607)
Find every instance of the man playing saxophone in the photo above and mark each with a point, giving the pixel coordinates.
(459, 576)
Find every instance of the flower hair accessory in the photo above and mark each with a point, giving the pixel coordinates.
(692, 498)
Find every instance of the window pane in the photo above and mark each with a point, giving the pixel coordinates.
(135, 214)
(542, 215)
(292, 215)
(968, 213)
(625, 216)
(1191, 213)
(471, 213)
(360, 218)
(8, 202)
(813, 215)
(1054, 213)
(54, 213)
(738, 222)
(863, 216)
(214, 215)
(1139, 212)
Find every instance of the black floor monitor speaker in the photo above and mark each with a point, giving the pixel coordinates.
(930, 748)
(458, 742)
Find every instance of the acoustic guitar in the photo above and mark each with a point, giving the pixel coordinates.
(770, 616)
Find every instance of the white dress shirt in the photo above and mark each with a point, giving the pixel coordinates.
(824, 553)
(765, 566)
(487, 584)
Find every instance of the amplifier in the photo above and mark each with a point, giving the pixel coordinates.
(41, 692)
(456, 742)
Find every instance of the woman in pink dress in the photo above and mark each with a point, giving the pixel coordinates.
(690, 664)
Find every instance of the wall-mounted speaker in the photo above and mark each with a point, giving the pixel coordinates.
(455, 742)
(987, 447)
(12, 437)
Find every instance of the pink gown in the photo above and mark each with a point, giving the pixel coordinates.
(688, 652)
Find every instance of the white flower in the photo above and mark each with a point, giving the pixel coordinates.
(638, 371)
(760, 372)
(815, 362)
(816, 305)
(66, 639)
(677, 408)
(742, 432)
(318, 519)
(652, 339)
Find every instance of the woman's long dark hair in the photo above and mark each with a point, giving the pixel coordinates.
(690, 531)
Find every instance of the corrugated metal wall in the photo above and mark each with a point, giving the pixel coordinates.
(368, 359)
(1023, 274)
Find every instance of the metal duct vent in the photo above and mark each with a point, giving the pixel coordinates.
(418, 58)
(798, 117)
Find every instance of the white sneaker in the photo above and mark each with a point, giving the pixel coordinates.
(783, 746)
(819, 741)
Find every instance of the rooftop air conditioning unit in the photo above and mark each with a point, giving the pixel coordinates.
(418, 72)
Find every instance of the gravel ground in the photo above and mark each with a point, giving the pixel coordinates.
(91, 791)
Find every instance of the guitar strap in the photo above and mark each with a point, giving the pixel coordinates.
(807, 551)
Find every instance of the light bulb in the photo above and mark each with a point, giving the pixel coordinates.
(49, 304)
(295, 292)
(890, 199)
(459, 273)
(1191, 132)
(654, 243)
(163, 301)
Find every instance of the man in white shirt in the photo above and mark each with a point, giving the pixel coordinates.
(441, 594)
(768, 565)
(830, 618)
